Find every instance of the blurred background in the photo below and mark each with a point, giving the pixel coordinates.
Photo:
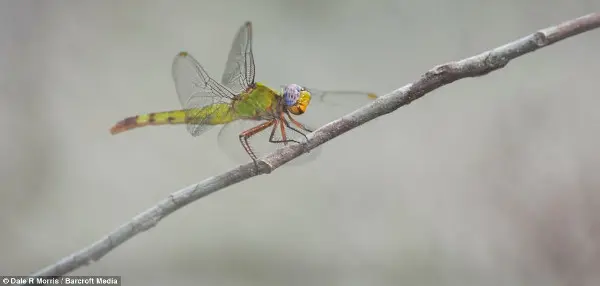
(488, 181)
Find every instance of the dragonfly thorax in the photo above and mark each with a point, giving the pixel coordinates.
(295, 98)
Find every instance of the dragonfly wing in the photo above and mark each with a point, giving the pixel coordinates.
(349, 98)
(328, 105)
(229, 142)
(239, 69)
(196, 91)
(341, 98)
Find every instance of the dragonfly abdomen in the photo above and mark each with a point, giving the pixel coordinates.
(155, 118)
(215, 114)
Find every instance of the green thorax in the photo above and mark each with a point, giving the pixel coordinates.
(257, 101)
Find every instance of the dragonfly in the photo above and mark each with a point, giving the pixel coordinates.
(245, 108)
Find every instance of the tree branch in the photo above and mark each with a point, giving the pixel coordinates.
(441, 75)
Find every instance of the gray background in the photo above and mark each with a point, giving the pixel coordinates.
(489, 181)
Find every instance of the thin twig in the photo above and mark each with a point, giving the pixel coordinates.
(475, 66)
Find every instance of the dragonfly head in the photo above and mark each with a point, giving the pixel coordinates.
(296, 98)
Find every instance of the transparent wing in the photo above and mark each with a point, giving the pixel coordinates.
(229, 142)
(328, 105)
(239, 69)
(341, 97)
(197, 91)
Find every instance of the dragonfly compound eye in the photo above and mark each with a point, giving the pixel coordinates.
(301, 104)
(291, 93)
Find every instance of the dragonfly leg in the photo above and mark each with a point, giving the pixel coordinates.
(244, 136)
(271, 138)
(282, 127)
(295, 130)
(282, 121)
(300, 125)
(284, 141)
